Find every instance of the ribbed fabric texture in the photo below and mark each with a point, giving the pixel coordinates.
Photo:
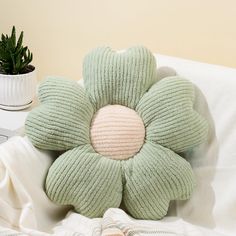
(117, 132)
(63, 122)
(167, 111)
(91, 182)
(153, 178)
(118, 78)
(86, 180)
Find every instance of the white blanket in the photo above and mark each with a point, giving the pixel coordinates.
(23, 204)
(25, 208)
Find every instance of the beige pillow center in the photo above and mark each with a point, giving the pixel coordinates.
(117, 132)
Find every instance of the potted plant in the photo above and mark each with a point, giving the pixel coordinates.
(17, 76)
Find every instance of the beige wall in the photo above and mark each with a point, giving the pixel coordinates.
(60, 32)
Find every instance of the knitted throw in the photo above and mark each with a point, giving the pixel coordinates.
(121, 135)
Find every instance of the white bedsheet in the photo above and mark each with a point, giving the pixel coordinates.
(25, 208)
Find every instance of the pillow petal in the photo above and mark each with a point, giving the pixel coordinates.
(62, 120)
(86, 180)
(169, 117)
(122, 78)
(60, 90)
(154, 177)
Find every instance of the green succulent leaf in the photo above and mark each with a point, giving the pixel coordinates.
(20, 41)
(14, 57)
(13, 35)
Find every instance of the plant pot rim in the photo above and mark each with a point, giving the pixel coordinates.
(18, 75)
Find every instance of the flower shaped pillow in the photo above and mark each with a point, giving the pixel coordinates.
(121, 135)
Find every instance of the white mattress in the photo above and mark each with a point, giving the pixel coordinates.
(211, 210)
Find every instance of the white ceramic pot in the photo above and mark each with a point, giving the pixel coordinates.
(17, 91)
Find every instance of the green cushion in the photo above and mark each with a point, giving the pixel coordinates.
(145, 183)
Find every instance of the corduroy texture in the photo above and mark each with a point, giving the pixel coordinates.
(154, 177)
(91, 182)
(173, 123)
(86, 180)
(62, 122)
(117, 132)
(118, 78)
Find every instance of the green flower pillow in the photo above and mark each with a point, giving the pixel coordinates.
(121, 135)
